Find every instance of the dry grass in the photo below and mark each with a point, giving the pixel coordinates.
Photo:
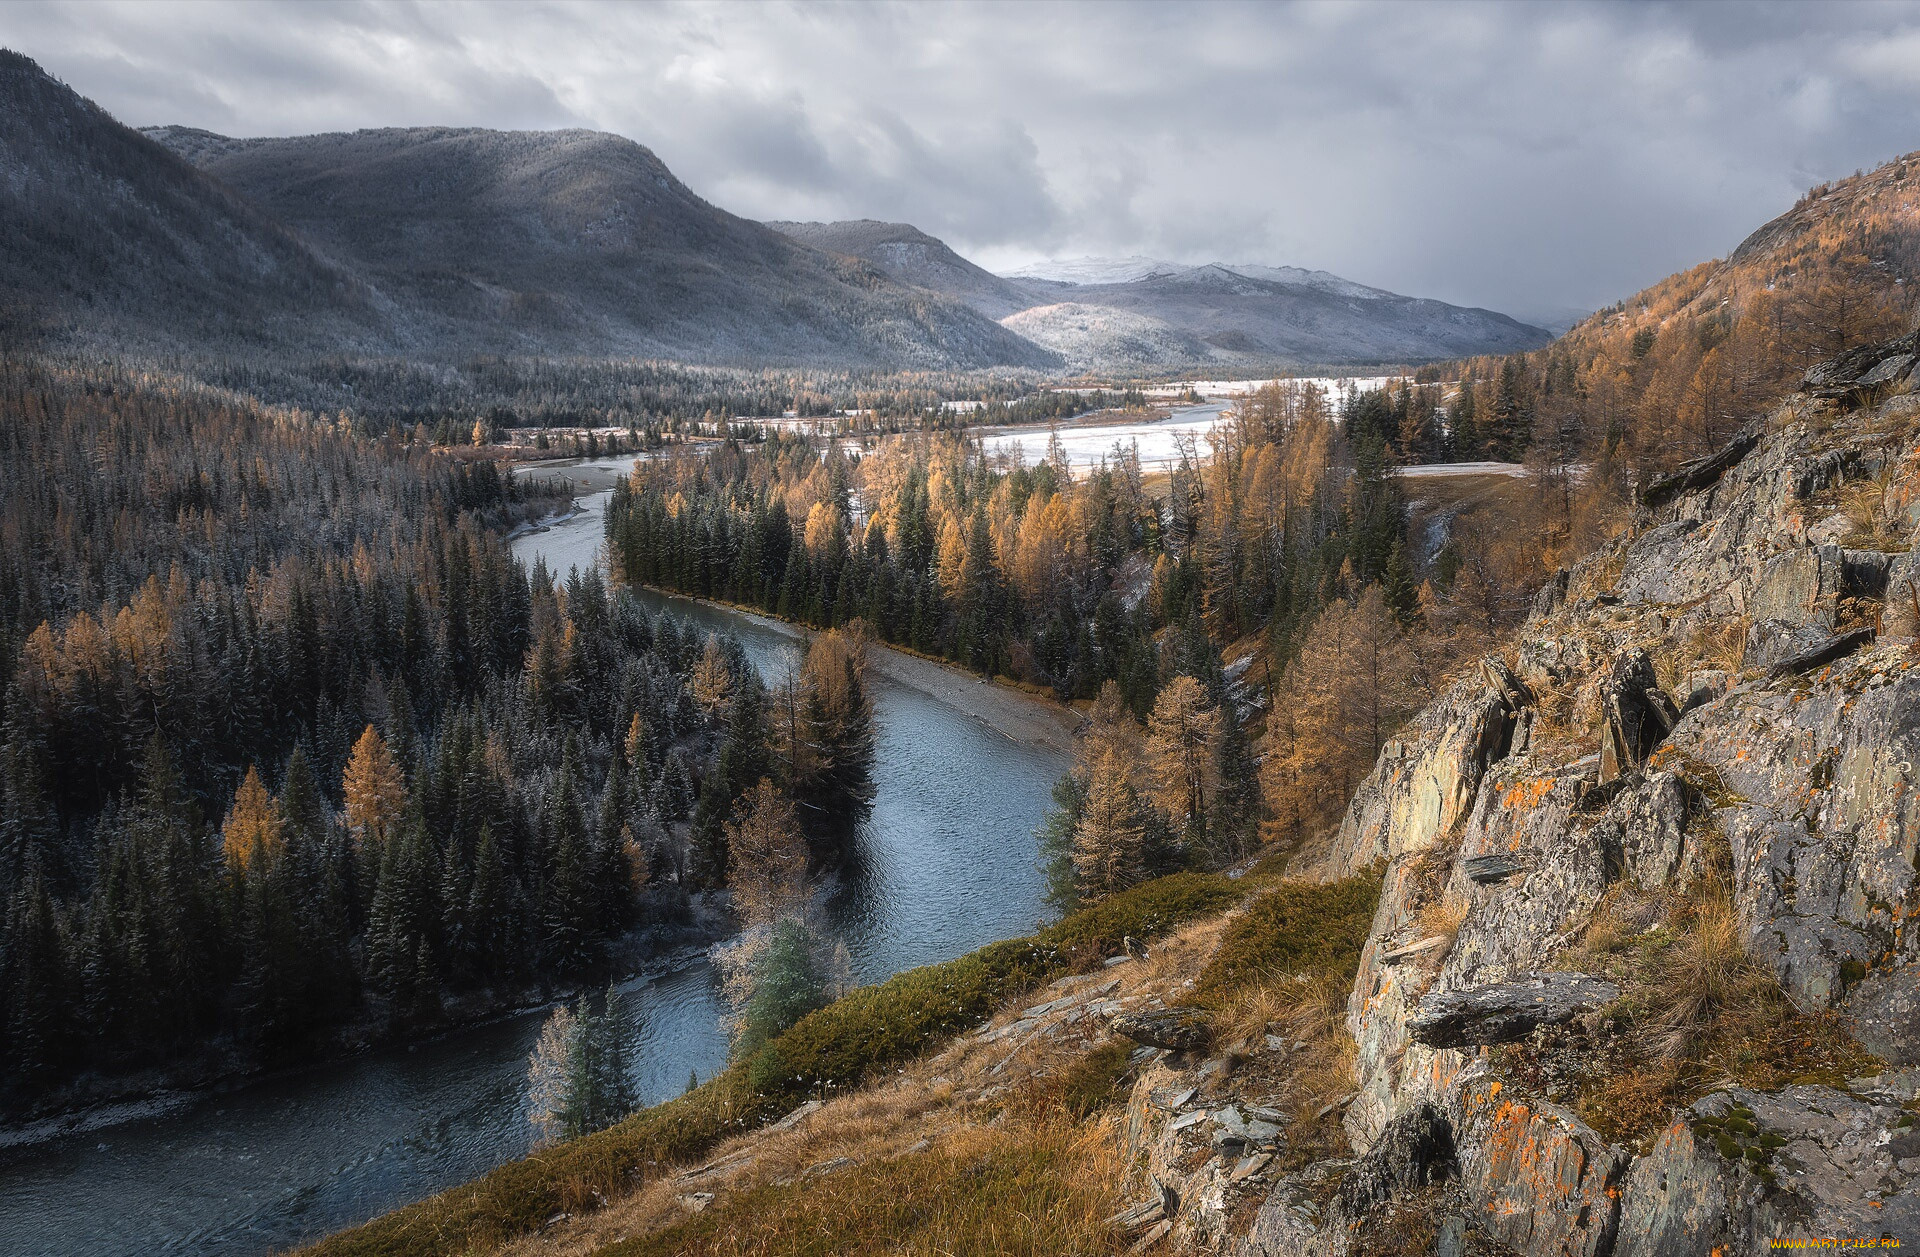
(1008, 1092)
(1600, 573)
(1020, 1188)
(1442, 918)
(1696, 1013)
(1719, 644)
(1869, 527)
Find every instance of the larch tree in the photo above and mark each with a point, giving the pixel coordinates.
(766, 856)
(712, 682)
(253, 827)
(375, 791)
(1352, 685)
(1183, 754)
(1108, 844)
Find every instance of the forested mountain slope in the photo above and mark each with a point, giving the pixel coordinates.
(913, 257)
(1671, 372)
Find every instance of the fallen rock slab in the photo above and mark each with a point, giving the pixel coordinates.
(1507, 1012)
(1176, 1029)
(1838, 646)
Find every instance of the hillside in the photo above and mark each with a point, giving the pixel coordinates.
(581, 243)
(1863, 231)
(911, 256)
(1669, 373)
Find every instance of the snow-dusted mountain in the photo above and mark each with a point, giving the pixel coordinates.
(1140, 313)
(1096, 270)
(1132, 270)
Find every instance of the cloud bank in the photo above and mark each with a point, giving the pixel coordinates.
(1527, 158)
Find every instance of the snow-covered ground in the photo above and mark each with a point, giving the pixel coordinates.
(1159, 443)
(1087, 445)
(1240, 388)
(1464, 469)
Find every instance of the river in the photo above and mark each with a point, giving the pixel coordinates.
(945, 864)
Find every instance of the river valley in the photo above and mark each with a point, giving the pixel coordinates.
(963, 773)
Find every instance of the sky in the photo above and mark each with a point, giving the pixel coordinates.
(1536, 159)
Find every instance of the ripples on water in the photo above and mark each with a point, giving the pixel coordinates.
(945, 864)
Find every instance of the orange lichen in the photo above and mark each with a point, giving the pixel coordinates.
(1526, 795)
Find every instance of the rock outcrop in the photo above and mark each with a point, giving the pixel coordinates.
(1726, 691)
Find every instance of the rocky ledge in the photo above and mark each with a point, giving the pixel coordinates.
(1727, 694)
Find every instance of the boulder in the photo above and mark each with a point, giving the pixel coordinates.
(1635, 714)
(1490, 870)
(1507, 1012)
(1863, 369)
(1701, 472)
(1542, 1181)
(1742, 1168)
(1838, 646)
(1176, 1029)
(1415, 1151)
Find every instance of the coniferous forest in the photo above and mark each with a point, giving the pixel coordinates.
(291, 743)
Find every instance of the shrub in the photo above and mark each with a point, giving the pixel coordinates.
(1307, 928)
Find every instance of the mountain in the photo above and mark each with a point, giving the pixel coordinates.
(425, 243)
(111, 240)
(1090, 270)
(911, 256)
(579, 242)
(1143, 314)
(1253, 314)
(1130, 270)
(1828, 272)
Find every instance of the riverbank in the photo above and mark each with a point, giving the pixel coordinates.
(1004, 706)
(95, 1104)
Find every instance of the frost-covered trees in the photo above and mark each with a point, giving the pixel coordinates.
(579, 1074)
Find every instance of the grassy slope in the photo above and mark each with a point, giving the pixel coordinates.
(836, 1047)
(1026, 1153)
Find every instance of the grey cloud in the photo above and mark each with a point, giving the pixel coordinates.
(1517, 156)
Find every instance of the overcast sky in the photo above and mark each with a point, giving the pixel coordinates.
(1528, 158)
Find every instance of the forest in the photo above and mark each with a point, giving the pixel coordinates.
(1288, 540)
(291, 744)
(646, 397)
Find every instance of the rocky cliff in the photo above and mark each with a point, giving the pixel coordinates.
(1641, 980)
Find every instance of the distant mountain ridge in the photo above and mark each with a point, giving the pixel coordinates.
(1144, 314)
(1129, 270)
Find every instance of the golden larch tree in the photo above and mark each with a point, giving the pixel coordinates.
(766, 856)
(254, 828)
(1108, 843)
(1183, 751)
(375, 791)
